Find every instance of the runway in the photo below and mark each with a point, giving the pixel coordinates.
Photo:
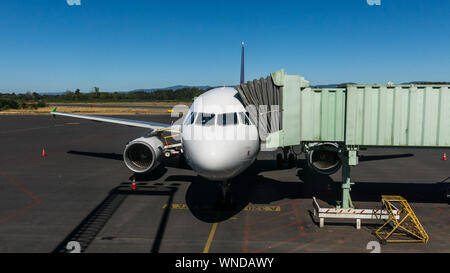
(81, 191)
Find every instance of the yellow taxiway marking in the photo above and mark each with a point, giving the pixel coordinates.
(210, 238)
(249, 207)
(262, 208)
(214, 226)
(176, 206)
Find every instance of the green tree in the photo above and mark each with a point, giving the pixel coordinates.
(96, 92)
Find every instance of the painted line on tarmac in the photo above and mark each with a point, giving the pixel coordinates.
(210, 238)
(176, 206)
(36, 199)
(247, 208)
(263, 208)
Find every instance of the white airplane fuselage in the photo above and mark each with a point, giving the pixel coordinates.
(218, 139)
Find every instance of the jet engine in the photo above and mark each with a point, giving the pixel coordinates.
(143, 154)
(324, 158)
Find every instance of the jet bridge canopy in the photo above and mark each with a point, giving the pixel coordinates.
(262, 99)
(273, 104)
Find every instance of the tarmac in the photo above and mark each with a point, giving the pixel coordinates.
(81, 191)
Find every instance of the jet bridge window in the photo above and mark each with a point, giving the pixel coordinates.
(227, 119)
(206, 119)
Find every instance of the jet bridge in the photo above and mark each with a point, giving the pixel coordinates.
(273, 104)
(343, 120)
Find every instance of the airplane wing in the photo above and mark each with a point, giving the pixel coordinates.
(134, 123)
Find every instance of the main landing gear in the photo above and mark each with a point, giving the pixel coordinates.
(288, 156)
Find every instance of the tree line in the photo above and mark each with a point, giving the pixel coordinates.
(34, 100)
(182, 94)
(21, 101)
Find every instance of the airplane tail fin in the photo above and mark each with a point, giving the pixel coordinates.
(242, 64)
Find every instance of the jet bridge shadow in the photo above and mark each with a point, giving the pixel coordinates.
(94, 222)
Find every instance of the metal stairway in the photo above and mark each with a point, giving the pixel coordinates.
(407, 228)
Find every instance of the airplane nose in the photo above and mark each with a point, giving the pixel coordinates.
(213, 156)
(215, 160)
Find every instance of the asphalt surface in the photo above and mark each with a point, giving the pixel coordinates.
(81, 191)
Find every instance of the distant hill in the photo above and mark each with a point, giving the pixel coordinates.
(344, 84)
(175, 87)
(334, 85)
(424, 82)
(46, 93)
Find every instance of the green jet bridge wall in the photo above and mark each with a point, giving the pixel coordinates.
(353, 116)
(362, 115)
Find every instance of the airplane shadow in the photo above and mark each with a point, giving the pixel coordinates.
(177, 162)
(202, 195)
(251, 187)
(113, 156)
(154, 175)
(363, 158)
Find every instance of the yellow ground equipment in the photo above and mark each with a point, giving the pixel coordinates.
(170, 136)
(405, 228)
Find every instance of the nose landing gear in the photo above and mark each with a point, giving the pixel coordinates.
(225, 197)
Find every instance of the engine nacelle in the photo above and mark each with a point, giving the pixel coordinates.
(143, 154)
(324, 158)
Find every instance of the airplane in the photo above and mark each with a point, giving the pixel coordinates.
(218, 138)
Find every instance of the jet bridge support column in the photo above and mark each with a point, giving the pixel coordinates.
(349, 158)
(346, 186)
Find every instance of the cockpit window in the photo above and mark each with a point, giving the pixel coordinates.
(244, 118)
(205, 119)
(190, 119)
(227, 119)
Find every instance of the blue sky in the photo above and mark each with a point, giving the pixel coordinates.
(117, 45)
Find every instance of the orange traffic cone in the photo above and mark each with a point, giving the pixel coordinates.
(444, 157)
(43, 153)
(133, 186)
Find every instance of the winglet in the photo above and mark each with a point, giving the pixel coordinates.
(54, 110)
